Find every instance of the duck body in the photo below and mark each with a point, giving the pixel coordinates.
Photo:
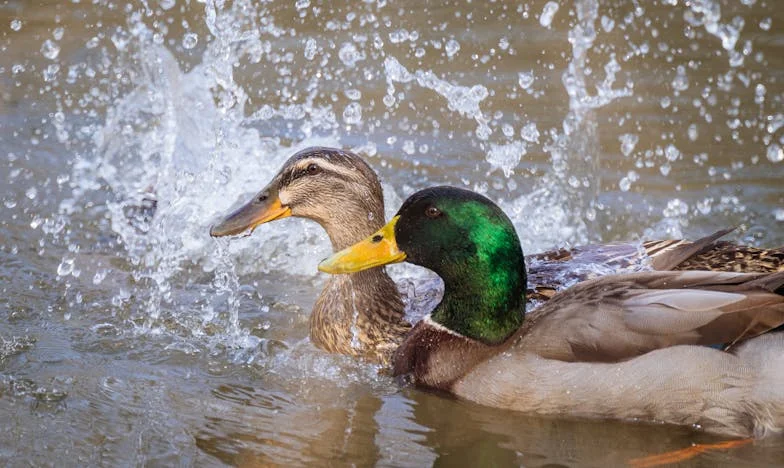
(545, 371)
(631, 346)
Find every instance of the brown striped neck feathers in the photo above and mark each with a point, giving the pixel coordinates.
(471, 244)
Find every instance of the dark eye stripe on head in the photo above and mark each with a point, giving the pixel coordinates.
(305, 167)
(300, 171)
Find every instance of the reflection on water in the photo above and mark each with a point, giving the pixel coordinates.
(133, 338)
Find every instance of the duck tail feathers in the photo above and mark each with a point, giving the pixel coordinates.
(669, 259)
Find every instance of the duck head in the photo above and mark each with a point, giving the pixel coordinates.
(335, 188)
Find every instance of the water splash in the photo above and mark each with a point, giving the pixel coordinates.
(463, 99)
(180, 143)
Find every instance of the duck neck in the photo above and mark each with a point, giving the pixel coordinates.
(353, 222)
(484, 294)
(359, 314)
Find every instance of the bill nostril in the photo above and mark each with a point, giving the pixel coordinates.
(262, 198)
(376, 239)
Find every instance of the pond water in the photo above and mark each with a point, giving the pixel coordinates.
(129, 339)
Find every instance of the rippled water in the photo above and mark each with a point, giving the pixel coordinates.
(131, 339)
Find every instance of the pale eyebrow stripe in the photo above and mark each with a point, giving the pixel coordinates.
(329, 166)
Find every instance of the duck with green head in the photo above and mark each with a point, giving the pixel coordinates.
(632, 346)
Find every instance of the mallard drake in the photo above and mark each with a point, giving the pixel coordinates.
(362, 314)
(631, 346)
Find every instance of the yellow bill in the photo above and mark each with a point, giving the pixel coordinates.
(250, 215)
(378, 249)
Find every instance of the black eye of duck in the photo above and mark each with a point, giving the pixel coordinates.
(313, 168)
(432, 212)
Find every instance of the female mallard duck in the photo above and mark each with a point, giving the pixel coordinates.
(623, 346)
(359, 314)
(362, 314)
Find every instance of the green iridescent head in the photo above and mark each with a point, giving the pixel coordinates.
(470, 243)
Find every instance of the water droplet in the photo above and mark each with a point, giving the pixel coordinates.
(765, 23)
(672, 153)
(775, 153)
(759, 93)
(120, 39)
(352, 114)
(704, 206)
(681, 81)
(349, 54)
(775, 123)
(31, 193)
(92, 43)
(506, 157)
(99, 276)
(189, 40)
(607, 24)
(628, 142)
(525, 79)
(16, 24)
(675, 207)
(398, 36)
(452, 47)
(311, 47)
(66, 267)
(51, 72)
(530, 133)
(58, 34)
(50, 49)
(353, 94)
(692, 132)
(302, 4)
(549, 10)
(778, 213)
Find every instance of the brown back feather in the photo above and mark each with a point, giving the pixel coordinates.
(554, 270)
(619, 317)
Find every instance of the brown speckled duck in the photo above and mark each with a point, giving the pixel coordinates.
(338, 190)
(359, 314)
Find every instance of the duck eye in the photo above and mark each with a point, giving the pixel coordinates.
(313, 168)
(432, 212)
(261, 198)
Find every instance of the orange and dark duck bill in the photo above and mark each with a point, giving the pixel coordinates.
(250, 215)
(378, 249)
